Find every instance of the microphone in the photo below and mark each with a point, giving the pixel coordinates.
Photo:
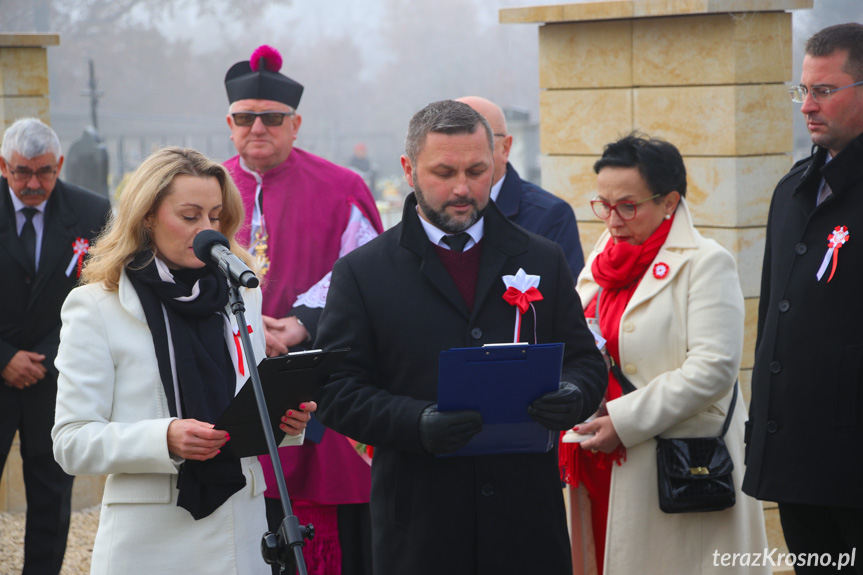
(212, 247)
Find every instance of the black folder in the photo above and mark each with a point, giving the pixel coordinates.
(500, 382)
(288, 381)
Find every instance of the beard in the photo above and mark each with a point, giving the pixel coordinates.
(445, 222)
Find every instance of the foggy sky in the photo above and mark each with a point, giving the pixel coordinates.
(367, 65)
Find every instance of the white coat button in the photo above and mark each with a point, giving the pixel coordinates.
(630, 369)
(628, 327)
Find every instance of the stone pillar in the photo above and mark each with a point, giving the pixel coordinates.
(24, 93)
(707, 75)
(24, 76)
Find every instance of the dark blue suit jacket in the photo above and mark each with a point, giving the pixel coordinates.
(542, 213)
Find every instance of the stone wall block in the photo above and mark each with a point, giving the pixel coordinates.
(740, 120)
(18, 107)
(732, 191)
(750, 331)
(616, 9)
(586, 55)
(572, 179)
(744, 376)
(747, 247)
(720, 49)
(588, 233)
(583, 121)
(23, 71)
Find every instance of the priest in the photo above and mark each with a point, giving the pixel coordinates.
(302, 213)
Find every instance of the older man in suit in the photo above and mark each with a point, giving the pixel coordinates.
(45, 230)
(431, 283)
(523, 202)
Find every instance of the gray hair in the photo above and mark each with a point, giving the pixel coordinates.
(443, 117)
(30, 137)
(846, 38)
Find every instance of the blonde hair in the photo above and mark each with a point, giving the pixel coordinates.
(125, 235)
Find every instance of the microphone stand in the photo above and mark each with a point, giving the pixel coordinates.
(275, 547)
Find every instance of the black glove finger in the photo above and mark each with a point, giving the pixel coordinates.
(565, 395)
(455, 442)
(444, 432)
(462, 416)
(469, 428)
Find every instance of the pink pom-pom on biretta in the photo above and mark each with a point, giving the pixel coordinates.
(271, 56)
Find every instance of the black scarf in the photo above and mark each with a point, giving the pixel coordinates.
(205, 372)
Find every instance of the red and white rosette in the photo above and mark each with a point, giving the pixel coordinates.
(240, 367)
(80, 247)
(835, 241)
(521, 291)
(660, 270)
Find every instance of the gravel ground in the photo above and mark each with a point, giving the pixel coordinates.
(79, 548)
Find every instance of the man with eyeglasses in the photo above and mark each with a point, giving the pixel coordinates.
(526, 204)
(302, 213)
(805, 429)
(46, 226)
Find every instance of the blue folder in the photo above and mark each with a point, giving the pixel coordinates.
(500, 382)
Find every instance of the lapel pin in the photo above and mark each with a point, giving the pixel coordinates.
(835, 241)
(80, 247)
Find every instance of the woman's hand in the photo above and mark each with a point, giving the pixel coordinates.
(294, 421)
(193, 439)
(605, 439)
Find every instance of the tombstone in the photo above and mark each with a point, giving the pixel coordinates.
(87, 163)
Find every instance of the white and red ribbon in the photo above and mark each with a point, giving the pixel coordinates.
(835, 241)
(521, 291)
(80, 247)
(240, 366)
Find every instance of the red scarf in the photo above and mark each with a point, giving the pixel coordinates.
(618, 270)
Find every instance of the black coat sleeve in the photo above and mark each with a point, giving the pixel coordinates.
(354, 402)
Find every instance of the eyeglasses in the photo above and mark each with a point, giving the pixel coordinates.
(246, 119)
(499, 135)
(820, 95)
(626, 209)
(42, 174)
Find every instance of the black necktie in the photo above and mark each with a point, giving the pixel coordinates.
(457, 242)
(28, 236)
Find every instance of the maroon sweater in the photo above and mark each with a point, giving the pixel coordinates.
(463, 267)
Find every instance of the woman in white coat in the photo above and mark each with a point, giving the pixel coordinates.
(148, 360)
(671, 310)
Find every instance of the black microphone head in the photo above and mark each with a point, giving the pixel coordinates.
(204, 242)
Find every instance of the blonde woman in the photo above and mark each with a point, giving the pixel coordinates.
(147, 362)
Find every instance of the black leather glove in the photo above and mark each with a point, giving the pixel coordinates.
(446, 431)
(559, 410)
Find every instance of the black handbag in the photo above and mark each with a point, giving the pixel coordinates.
(694, 474)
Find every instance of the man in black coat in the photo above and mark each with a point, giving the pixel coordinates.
(526, 204)
(45, 230)
(416, 291)
(805, 429)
